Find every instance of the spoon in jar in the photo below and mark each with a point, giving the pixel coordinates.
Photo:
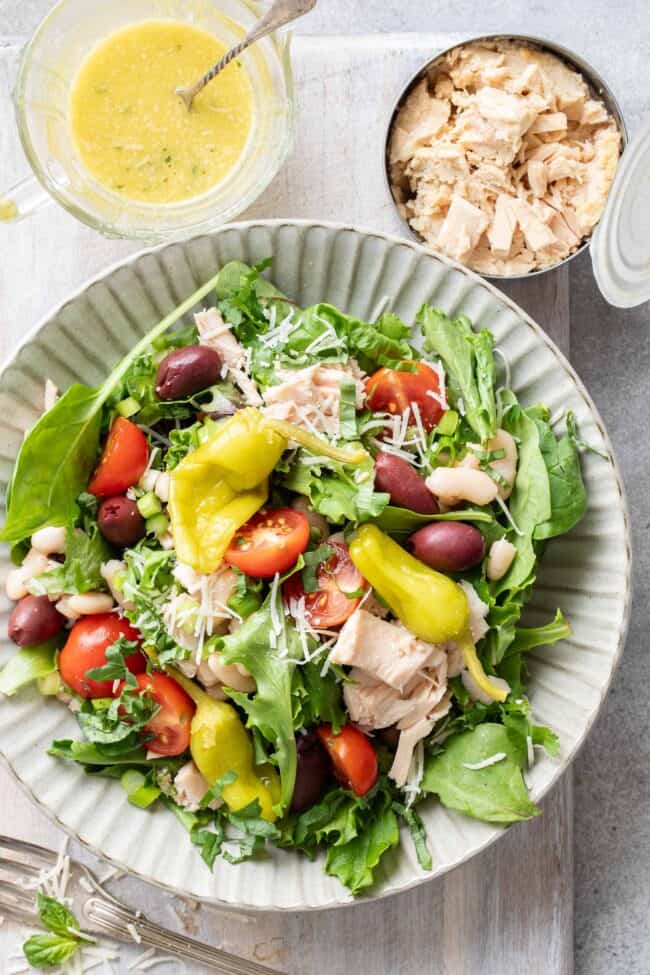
(280, 13)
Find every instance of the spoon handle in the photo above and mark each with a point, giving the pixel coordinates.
(279, 13)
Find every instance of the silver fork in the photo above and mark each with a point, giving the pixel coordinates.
(22, 866)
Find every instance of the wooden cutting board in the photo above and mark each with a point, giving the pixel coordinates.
(508, 910)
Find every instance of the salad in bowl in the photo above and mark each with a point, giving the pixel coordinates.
(276, 566)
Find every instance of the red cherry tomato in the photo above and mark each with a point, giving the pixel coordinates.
(123, 461)
(391, 391)
(353, 757)
(329, 605)
(270, 542)
(86, 648)
(171, 725)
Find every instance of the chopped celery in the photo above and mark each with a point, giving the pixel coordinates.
(128, 407)
(149, 505)
(157, 525)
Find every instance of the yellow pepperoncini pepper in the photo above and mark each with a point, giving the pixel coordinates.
(428, 603)
(219, 486)
(219, 743)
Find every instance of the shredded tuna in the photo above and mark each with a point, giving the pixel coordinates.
(491, 151)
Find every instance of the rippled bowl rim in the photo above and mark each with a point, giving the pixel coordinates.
(581, 389)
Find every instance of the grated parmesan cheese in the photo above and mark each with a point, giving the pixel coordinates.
(492, 760)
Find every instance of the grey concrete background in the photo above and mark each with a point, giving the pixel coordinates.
(611, 351)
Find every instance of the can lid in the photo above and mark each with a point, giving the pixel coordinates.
(620, 247)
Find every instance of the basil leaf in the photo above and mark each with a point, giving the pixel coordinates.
(348, 409)
(312, 562)
(418, 834)
(46, 950)
(56, 916)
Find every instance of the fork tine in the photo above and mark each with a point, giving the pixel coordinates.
(27, 854)
(13, 899)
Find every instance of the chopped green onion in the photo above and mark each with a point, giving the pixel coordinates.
(448, 424)
(157, 525)
(128, 407)
(50, 685)
(149, 505)
(139, 789)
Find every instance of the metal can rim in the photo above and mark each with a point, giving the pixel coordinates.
(595, 81)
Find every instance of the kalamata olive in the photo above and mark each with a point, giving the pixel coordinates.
(120, 521)
(186, 371)
(389, 736)
(449, 546)
(312, 775)
(34, 620)
(405, 486)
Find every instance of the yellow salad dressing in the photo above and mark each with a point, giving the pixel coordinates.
(134, 133)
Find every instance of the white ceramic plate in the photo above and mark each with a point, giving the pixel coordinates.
(587, 573)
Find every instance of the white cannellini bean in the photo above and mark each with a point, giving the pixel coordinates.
(507, 466)
(206, 675)
(453, 484)
(167, 541)
(148, 480)
(35, 564)
(229, 675)
(16, 584)
(63, 606)
(475, 691)
(501, 557)
(109, 570)
(161, 488)
(89, 603)
(49, 541)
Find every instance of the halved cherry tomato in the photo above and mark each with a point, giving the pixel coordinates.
(270, 542)
(329, 605)
(391, 391)
(353, 757)
(86, 648)
(171, 725)
(123, 461)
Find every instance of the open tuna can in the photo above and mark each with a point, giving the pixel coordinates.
(501, 153)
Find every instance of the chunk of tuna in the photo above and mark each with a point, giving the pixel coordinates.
(386, 651)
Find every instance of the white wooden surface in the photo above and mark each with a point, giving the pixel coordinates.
(508, 910)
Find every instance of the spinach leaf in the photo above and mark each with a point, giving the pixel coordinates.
(469, 361)
(86, 753)
(530, 502)
(403, 522)
(495, 794)
(57, 457)
(568, 494)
